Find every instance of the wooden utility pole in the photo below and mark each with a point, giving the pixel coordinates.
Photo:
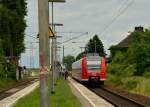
(44, 57)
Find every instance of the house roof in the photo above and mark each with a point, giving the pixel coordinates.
(128, 40)
(125, 42)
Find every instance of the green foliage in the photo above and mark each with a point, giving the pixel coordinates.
(94, 45)
(6, 82)
(134, 84)
(118, 57)
(80, 55)
(11, 71)
(147, 72)
(134, 61)
(139, 52)
(115, 69)
(115, 49)
(68, 60)
(120, 68)
(12, 27)
(130, 84)
(2, 63)
(129, 71)
(2, 73)
(114, 80)
(62, 98)
(129, 67)
(140, 56)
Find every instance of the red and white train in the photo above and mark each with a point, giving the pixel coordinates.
(91, 68)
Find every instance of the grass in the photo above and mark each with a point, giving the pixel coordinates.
(134, 84)
(62, 98)
(5, 82)
(33, 72)
(8, 82)
(31, 100)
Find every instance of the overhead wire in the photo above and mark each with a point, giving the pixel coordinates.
(122, 9)
(120, 12)
(74, 38)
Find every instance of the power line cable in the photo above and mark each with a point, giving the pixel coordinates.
(31, 36)
(73, 38)
(124, 3)
(120, 12)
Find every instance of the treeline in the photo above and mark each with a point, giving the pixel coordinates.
(12, 27)
(135, 61)
(94, 45)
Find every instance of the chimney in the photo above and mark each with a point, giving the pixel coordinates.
(139, 29)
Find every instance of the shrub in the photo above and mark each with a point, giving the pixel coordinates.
(1, 71)
(142, 86)
(119, 57)
(129, 70)
(114, 80)
(2, 65)
(147, 72)
(12, 71)
(113, 68)
(130, 84)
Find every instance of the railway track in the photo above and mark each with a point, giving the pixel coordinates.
(115, 98)
(11, 90)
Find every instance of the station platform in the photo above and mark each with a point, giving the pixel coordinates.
(11, 100)
(86, 97)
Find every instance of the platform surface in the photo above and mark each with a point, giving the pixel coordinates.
(11, 100)
(92, 99)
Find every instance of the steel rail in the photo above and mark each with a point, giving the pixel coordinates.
(115, 98)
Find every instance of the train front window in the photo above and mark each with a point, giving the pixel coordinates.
(93, 66)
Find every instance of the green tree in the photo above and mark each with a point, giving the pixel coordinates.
(12, 27)
(136, 60)
(80, 55)
(68, 60)
(95, 45)
(2, 61)
(139, 52)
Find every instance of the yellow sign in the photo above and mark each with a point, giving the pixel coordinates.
(50, 33)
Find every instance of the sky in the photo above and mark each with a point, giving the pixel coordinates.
(111, 20)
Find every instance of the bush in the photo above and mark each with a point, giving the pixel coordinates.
(12, 71)
(119, 57)
(1, 71)
(142, 86)
(114, 80)
(136, 60)
(2, 65)
(129, 70)
(130, 84)
(147, 72)
(113, 68)
(141, 57)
